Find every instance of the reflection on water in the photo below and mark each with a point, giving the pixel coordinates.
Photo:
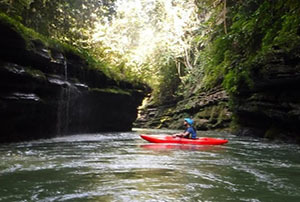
(161, 147)
(123, 167)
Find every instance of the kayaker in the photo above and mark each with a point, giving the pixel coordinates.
(190, 131)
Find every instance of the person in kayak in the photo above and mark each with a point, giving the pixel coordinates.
(190, 131)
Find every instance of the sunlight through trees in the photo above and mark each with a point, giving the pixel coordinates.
(147, 34)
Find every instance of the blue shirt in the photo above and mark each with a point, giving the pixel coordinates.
(192, 132)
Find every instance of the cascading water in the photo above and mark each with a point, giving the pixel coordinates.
(64, 103)
(67, 90)
(66, 69)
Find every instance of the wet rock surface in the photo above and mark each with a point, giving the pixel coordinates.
(271, 108)
(45, 92)
(209, 110)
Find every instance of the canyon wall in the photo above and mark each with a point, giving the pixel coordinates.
(47, 91)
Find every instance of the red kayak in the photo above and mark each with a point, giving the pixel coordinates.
(181, 140)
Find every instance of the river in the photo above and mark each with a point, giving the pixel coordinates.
(123, 167)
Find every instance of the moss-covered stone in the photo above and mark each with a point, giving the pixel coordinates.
(209, 111)
(36, 74)
(272, 133)
(111, 90)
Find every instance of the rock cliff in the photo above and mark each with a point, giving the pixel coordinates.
(209, 110)
(47, 91)
(271, 107)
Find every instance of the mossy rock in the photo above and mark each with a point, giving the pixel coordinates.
(36, 74)
(273, 133)
(110, 91)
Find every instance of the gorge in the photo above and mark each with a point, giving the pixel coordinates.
(229, 65)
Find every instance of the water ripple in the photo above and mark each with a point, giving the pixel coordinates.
(123, 167)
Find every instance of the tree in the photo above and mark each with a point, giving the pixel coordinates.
(69, 21)
(145, 33)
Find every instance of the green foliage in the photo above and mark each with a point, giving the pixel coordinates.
(122, 43)
(30, 35)
(255, 30)
(15, 8)
(27, 33)
(69, 21)
(144, 36)
(167, 84)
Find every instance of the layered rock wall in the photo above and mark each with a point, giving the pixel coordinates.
(209, 110)
(271, 108)
(46, 91)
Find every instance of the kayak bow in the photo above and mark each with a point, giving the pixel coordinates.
(181, 140)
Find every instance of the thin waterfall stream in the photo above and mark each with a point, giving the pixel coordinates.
(64, 103)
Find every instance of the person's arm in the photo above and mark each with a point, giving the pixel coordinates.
(177, 134)
(181, 134)
(188, 132)
(185, 133)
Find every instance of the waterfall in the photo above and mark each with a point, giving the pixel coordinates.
(64, 103)
(67, 93)
(66, 69)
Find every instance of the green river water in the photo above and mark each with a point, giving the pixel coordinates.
(123, 167)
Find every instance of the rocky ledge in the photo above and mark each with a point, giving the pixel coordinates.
(209, 110)
(46, 91)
